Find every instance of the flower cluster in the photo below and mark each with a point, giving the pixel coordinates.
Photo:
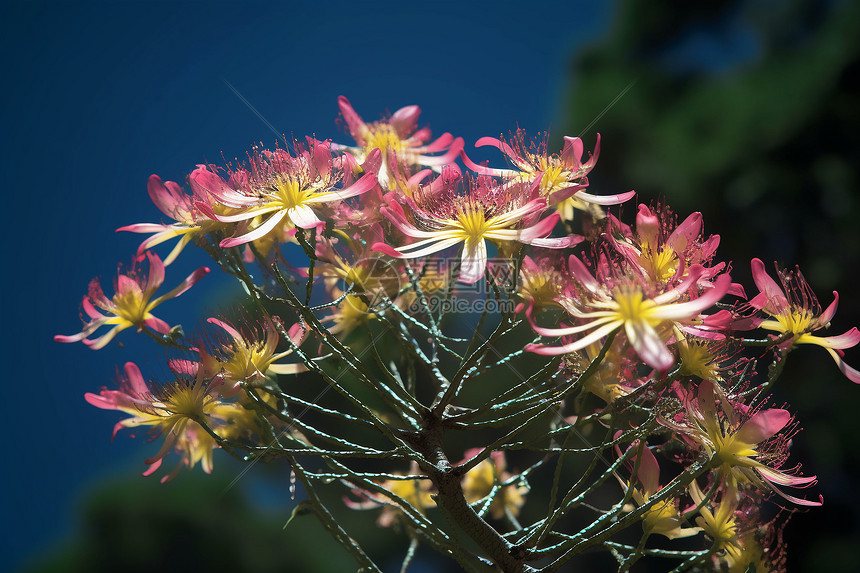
(635, 331)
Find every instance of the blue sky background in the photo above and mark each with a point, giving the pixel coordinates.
(98, 96)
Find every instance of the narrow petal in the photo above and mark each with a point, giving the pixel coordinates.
(156, 275)
(145, 228)
(849, 372)
(182, 287)
(576, 345)
(615, 199)
(560, 243)
(849, 339)
(255, 234)
(687, 310)
(582, 275)
(473, 261)
(828, 313)
(353, 120)
(435, 247)
(102, 341)
(483, 170)
(287, 368)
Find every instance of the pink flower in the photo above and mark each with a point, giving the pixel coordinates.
(281, 186)
(248, 358)
(170, 199)
(741, 440)
(554, 177)
(173, 411)
(663, 518)
(485, 212)
(132, 304)
(397, 138)
(797, 313)
(627, 304)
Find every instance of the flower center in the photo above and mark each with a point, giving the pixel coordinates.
(289, 192)
(473, 223)
(798, 322)
(130, 306)
(661, 264)
(632, 308)
(384, 137)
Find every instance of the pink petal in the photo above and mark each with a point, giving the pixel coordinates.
(152, 467)
(849, 339)
(687, 310)
(157, 324)
(649, 471)
(386, 249)
(449, 157)
(183, 286)
(162, 198)
(203, 180)
(501, 145)
(540, 229)
(828, 313)
(353, 120)
(762, 425)
(560, 243)
(230, 330)
(772, 291)
(581, 274)
(144, 228)
(321, 156)
(135, 378)
(480, 169)
(575, 345)
(100, 342)
(849, 372)
(405, 120)
(571, 153)
(156, 275)
(685, 233)
(442, 142)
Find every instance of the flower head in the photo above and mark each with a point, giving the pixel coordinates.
(132, 304)
(743, 442)
(662, 518)
(485, 212)
(603, 308)
(489, 477)
(796, 313)
(412, 489)
(399, 141)
(173, 411)
(555, 177)
(248, 358)
(170, 199)
(279, 185)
